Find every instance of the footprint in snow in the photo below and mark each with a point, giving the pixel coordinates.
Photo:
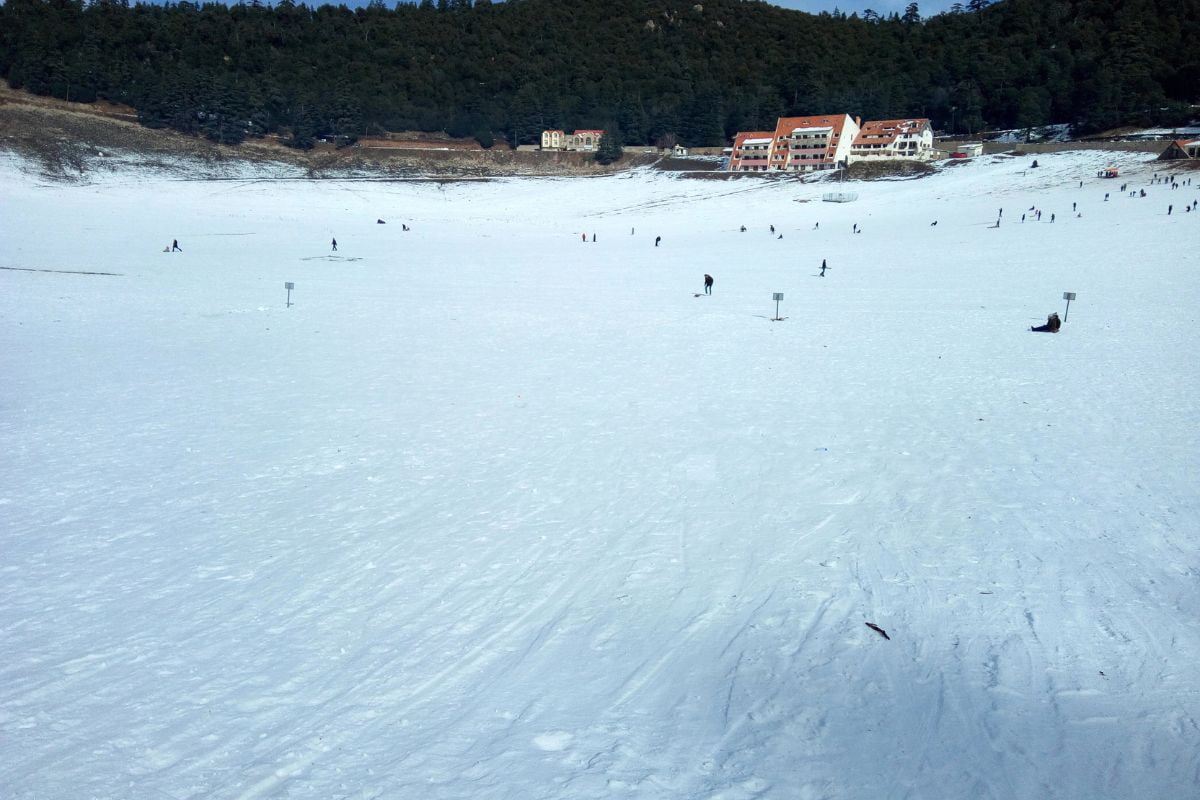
(553, 741)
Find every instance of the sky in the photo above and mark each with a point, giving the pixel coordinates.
(505, 506)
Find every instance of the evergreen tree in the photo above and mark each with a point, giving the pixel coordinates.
(609, 149)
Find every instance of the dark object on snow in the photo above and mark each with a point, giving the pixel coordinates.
(380, 222)
(1034, 164)
(1053, 323)
(878, 630)
(933, 223)
(657, 239)
(823, 268)
(708, 284)
(175, 246)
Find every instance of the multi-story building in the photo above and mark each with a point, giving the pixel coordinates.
(751, 151)
(579, 140)
(890, 139)
(807, 144)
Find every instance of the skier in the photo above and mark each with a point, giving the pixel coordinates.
(1169, 210)
(657, 239)
(772, 229)
(175, 246)
(823, 268)
(708, 283)
(334, 243)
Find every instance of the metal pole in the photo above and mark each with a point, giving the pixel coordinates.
(1068, 311)
(776, 309)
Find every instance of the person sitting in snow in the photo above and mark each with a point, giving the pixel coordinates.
(1053, 323)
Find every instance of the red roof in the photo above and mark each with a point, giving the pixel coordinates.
(885, 131)
(786, 125)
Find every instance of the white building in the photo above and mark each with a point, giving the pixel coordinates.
(892, 139)
(586, 140)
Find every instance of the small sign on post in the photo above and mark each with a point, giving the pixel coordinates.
(289, 286)
(1068, 296)
(777, 296)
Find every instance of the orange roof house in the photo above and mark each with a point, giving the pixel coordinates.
(1181, 148)
(751, 151)
(804, 144)
(893, 139)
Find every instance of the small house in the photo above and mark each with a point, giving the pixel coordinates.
(1180, 149)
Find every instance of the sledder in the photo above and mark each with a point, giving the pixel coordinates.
(1053, 323)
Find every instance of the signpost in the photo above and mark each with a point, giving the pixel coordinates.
(777, 297)
(1068, 296)
(289, 286)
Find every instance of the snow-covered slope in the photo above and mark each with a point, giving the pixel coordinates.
(494, 512)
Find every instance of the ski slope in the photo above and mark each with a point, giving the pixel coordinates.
(495, 512)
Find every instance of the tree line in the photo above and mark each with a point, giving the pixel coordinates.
(646, 70)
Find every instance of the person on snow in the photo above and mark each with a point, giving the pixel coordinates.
(175, 246)
(657, 239)
(1053, 323)
(334, 243)
(823, 268)
(708, 283)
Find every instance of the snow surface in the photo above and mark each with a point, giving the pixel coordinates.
(492, 512)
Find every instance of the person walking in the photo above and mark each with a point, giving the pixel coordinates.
(1169, 210)
(823, 268)
(334, 243)
(657, 239)
(708, 281)
(175, 248)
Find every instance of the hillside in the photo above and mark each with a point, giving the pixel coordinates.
(648, 68)
(72, 140)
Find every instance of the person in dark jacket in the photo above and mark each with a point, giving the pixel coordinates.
(708, 284)
(175, 246)
(1053, 323)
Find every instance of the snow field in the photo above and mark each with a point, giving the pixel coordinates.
(495, 512)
